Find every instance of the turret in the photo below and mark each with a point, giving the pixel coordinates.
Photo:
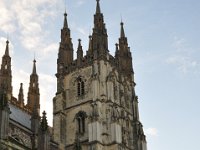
(21, 96)
(65, 54)
(123, 54)
(6, 73)
(99, 35)
(33, 91)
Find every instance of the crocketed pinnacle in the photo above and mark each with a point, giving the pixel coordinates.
(21, 94)
(44, 123)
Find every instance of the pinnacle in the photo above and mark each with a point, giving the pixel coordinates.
(65, 20)
(122, 30)
(7, 48)
(34, 67)
(98, 10)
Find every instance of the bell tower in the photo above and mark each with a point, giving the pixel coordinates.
(95, 107)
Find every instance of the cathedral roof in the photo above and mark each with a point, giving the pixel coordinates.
(20, 116)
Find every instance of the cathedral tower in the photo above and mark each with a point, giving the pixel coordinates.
(95, 107)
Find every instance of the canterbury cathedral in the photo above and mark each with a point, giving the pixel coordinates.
(95, 106)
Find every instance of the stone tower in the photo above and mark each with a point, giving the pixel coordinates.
(95, 107)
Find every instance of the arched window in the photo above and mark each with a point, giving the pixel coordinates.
(80, 87)
(80, 119)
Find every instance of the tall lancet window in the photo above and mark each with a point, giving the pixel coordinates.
(80, 120)
(80, 87)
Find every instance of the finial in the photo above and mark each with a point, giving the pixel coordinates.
(7, 48)
(79, 44)
(21, 85)
(98, 10)
(34, 67)
(65, 20)
(122, 30)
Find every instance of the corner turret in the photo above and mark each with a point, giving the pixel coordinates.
(99, 35)
(33, 91)
(123, 54)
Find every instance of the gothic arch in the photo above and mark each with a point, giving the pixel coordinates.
(80, 118)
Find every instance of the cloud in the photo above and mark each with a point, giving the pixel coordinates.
(80, 2)
(7, 17)
(151, 132)
(183, 63)
(83, 31)
(183, 57)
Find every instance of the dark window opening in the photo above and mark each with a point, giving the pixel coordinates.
(80, 87)
(80, 117)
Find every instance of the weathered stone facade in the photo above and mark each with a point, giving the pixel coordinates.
(95, 107)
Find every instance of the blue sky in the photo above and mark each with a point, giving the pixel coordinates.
(164, 40)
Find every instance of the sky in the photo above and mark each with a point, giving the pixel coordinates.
(164, 40)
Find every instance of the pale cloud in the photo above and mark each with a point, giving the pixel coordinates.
(53, 47)
(30, 18)
(80, 2)
(183, 57)
(82, 30)
(183, 63)
(7, 17)
(151, 131)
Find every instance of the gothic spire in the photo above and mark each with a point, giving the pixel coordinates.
(99, 35)
(6, 72)
(33, 91)
(123, 54)
(98, 10)
(65, 53)
(21, 95)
